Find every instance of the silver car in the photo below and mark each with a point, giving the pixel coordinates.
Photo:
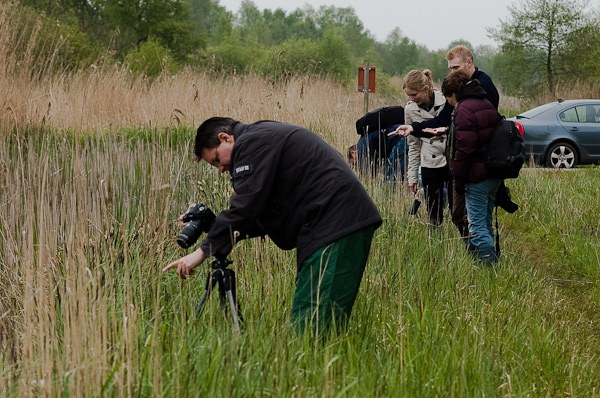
(563, 133)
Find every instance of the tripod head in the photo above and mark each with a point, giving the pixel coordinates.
(220, 263)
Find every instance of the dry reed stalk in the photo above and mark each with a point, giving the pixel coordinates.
(89, 101)
(62, 308)
(109, 97)
(574, 90)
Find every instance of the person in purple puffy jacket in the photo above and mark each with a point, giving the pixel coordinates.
(473, 123)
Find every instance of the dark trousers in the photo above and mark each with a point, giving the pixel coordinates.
(458, 209)
(434, 180)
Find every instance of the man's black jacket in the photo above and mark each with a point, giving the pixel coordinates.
(291, 186)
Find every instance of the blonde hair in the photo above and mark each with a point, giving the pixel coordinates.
(459, 51)
(417, 80)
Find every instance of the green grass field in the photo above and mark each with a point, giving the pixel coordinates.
(87, 224)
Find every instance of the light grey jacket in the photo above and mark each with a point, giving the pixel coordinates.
(426, 152)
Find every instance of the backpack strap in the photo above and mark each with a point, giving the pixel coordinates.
(481, 155)
(497, 236)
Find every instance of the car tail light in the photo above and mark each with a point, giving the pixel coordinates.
(520, 127)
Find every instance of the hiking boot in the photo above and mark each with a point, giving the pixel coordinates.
(484, 254)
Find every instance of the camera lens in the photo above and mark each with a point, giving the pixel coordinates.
(189, 235)
(199, 218)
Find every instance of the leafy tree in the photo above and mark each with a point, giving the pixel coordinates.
(293, 57)
(223, 29)
(86, 16)
(253, 28)
(211, 20)
(334, 55)
(345, 20)
(166, 21)
(45, 46)
(201, 13)
(329, 41)
(302, 25)
(150, 59)
(484, 59)
(399, 53)
(233, 55)
(435, 61)
(584, 52)
(328, 56)
(276, 21)
(533, 38)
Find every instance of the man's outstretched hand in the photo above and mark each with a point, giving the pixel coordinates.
(436, 131)
(186, 264)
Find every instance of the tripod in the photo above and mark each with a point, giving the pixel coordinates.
(224, 277)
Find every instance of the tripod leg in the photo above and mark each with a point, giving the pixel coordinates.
(234, 310)
(207, 290)
(200, 305)
(230, 292)
(233, 288)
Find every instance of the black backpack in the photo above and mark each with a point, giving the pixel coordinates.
(505, 154)
(379, 119)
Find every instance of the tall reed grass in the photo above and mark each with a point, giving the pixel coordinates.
(571, 90)
(88, 221)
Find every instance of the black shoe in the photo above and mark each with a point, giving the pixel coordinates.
(485, 254)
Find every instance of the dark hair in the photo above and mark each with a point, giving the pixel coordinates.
(351, 149)
(454, 83)
(207, 136)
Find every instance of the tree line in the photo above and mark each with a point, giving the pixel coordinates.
(543, 43)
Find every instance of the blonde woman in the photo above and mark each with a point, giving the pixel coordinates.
(428, 152)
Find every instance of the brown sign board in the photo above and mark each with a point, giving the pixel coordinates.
(361, 78)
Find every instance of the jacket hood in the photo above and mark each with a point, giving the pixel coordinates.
(471, 90)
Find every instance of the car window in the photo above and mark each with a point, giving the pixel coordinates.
(581, 114)
(571, 115)
(594, 109)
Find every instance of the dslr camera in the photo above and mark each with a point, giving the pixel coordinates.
(199, 218)
(504, 200)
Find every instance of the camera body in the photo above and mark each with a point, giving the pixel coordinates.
(199, 218)
(504, 200)
(415, 207)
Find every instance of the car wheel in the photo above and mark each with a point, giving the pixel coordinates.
(561, 155)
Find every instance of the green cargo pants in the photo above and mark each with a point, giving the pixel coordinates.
(328, 282)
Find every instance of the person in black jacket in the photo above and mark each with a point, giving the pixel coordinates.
(298, 190)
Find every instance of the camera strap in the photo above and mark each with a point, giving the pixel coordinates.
(497, 235)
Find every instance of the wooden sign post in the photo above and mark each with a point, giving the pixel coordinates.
(366, 82)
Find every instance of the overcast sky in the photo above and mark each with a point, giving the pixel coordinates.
(433, 23)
